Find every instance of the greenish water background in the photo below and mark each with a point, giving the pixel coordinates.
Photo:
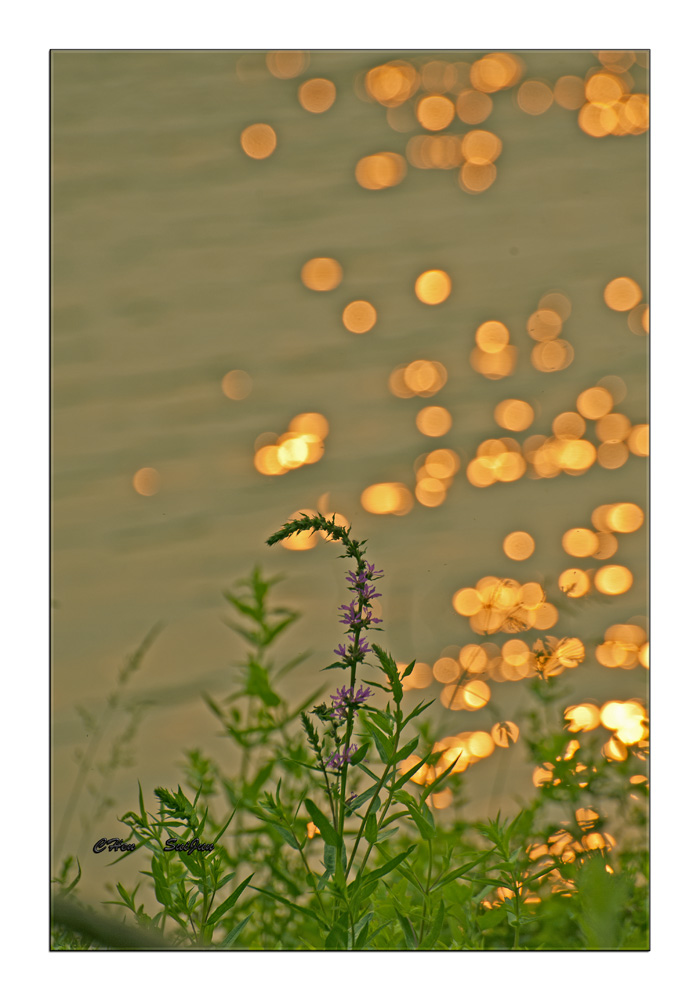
(176, 258)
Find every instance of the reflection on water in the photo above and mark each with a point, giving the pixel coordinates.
(476, 224)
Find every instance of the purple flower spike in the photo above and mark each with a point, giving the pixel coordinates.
(345, 698)
(341, 757)
(340, 651)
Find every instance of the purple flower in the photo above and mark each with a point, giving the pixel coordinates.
(340, 651)
(345, 698)
(340, 757)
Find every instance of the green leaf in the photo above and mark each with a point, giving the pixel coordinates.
(383, 745)
(233, 934)
(434, 933)
(371, 828)
(327, 832)
(405, 751)
(407, 928)
(228, 903)
(378, 873)
(306, 912)
(491, 918)
(286, 834)
(455, 874)
(258, 683)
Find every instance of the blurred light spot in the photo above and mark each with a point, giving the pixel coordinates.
(474, 107)
(435, 112)
(267, 461)
(442, 798)
(570, 92)
(475, 695)
(574, 582)
(472, 658)
(504, 734)
(576, 455)
(420, 677)
(392, 83)
(556, 302)
(477, 177)
(492, 336)
(495, 72)
(594, 403)
(531, 595)
(514, 414)
(446, 670)
(544, 616)
(635, 319)
(359, 316)
(644, 655)
(401, 118)
(236, 384)
(258, 141)
(387, 498)
(494, 366)
(625, 517)
(433, 421)
(622, 294)
(582, 718)
(580, 542)
(292, 451)
(480, 473)
(518, 545)
(617, 61)
(552, 356)
(612, 455)
(607, 545)
(613, 428)
(379, 171)
(638, 440)
(146, 482)
(613, 579)
(481, 147)
(321, 274)
(480, 745)
(433, 287)
(419, 378)
(569, 426)
(430, 492)
(442, 463)
(604, 89)
(591, 121)
(535, 97)
(599, 517)
(310, 423)
(287, 64)
(542, 775)
(545, 324)
(615, 386)
(466, 602)
(316, 95)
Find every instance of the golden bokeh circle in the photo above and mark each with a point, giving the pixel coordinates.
(580, 542)
(481, 147)
(514, 414)
(433, 287)
(236, 384)
(316, 95)
(359, 316)
(544, 324)
(492, 336)
(574, 582)
(613, 580)
(258, 141)
(473, 106)
(380, 171)
(433, 421)
(146, 481)
(477, 177)
(625, 517)
(518, 545)
(321, 274)
(594, 403)
(535, 97)
(435, 112)
(622, 294)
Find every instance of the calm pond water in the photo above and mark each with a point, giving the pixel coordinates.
(176, 259)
